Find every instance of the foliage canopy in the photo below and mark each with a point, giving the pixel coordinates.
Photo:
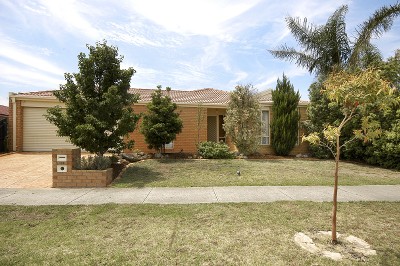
(242, 122)
(98, 111)
(161, 123)
(285, 125)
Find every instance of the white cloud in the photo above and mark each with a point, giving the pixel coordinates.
(28, 77)
(139, 33)
(205, 17)
(272, 76)
(11, 51)
(4, 101)
(240, 76)
(72, 16)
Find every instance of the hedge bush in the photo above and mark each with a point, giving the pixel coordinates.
(214, 150)
(95, 163)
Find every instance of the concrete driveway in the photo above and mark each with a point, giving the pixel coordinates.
(25, 170)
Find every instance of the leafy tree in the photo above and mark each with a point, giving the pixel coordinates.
(161, 123)
(327, 47)
(242, 122)
(385, 151)
(353, 92)
(98, 104)
(285, 125)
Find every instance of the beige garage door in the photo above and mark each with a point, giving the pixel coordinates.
(38, 133)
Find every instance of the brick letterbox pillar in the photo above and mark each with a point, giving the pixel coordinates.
(66, 174)
(64, 161)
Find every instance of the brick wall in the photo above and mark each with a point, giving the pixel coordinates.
(77, 178)
(185, 141)
(19, 126)
(10, 125)
(301, 148)
(19, 120)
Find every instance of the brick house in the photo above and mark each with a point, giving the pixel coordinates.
(201, 111)
(3, 127)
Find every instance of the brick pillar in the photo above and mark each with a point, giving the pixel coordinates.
(64, 160)
(19, 129)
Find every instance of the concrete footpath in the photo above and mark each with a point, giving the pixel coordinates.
(158, 195)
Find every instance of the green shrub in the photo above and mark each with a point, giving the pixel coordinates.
(386, 150)
(95, 163)
(214, 150)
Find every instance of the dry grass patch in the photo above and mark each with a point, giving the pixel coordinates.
(282, 172)
(201, 234)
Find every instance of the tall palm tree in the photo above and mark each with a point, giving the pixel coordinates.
(328, 46)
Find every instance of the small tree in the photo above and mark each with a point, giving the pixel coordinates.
(242, 122)
(285, 125)
(353, 92)
(161, 124)
(98, 110)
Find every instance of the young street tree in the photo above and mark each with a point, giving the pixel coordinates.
(354, 93)
(242, 122)
(161, 123)
(98, 105)
(285, 125)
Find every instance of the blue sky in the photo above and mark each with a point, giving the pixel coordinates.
(183, 44)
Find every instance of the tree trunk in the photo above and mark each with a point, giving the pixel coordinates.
(335, 190)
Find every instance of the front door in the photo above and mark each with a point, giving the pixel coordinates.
(212, 129)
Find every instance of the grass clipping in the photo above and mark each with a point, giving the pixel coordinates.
(348, 247)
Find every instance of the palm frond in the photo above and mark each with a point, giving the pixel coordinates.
(302, 31)
(380, 22)
(302, 59)
(336, 37)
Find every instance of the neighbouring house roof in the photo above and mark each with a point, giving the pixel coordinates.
(3, 110)
(206, 96)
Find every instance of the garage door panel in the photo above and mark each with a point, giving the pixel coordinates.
(38, 133)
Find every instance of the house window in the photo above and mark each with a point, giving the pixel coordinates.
(298, 141)
(169, 146)
(264, 127)
(221, 131)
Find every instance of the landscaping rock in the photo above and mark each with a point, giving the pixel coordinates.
(361, 246)
(134, 157)
(306, 243)
(349, 247)
(306, 155)
(332, 255)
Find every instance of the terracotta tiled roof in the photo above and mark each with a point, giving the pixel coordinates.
(265, 96)
(3, 110)
(37, 93)
(205, 96)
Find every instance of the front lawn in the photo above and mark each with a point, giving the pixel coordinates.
(283, 172)
(201, 234)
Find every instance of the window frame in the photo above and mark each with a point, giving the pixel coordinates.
(267, 127)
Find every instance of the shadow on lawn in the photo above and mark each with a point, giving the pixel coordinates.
(139, 176)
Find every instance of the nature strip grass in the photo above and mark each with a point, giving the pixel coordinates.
(289, 172)
(202, 234)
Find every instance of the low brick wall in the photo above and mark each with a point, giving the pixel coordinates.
(70, 177)
(83, 178)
